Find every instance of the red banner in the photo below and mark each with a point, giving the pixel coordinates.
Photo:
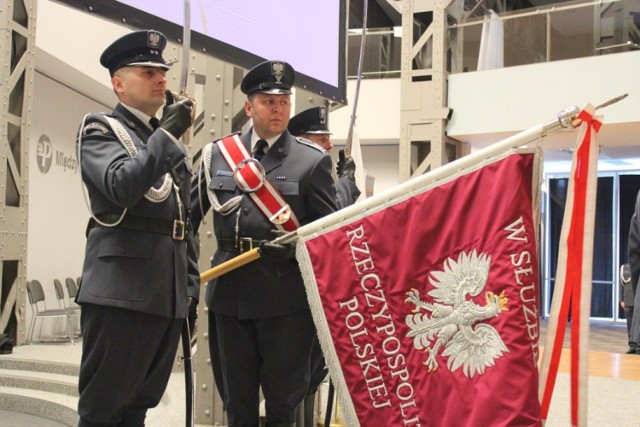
(427, 308)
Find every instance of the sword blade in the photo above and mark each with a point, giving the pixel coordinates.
(186, 44)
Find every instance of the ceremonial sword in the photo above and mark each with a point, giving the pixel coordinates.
(186, 333)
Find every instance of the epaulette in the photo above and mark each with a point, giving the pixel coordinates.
(311, 144)
(98, 125)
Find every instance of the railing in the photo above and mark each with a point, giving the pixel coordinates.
(381, 57)
(563, 30)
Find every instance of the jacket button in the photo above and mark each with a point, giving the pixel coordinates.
(245, 211)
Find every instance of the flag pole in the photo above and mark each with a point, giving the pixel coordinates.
(232, 264)
(565, 120)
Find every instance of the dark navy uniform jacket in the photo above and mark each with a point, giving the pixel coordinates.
(132, 269)
(347, 192)
(301, 171)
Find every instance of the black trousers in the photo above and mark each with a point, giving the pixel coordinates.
(318, 366)
(127, 359)
(272, 354)
(628, 312)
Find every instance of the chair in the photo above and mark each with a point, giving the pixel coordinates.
(72, 289)
(62, 303)
(65, 303)
(40, 311)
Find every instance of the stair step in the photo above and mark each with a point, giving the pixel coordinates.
(63, 368)
(55, 383)
(53, 406)
(43, 388)
(41, 380)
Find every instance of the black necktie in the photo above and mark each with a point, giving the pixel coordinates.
(258, 152)
(154, 122)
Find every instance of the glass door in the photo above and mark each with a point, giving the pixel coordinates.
(614, 207)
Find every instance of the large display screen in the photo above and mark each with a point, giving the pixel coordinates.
(309, 34)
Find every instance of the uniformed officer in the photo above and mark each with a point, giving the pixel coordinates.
(259, 313)
(140, 273)
(633, 252)
(312, 125)
(627, 302)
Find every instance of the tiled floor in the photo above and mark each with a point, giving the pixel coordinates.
(603, 337)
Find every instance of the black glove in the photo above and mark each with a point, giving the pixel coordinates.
(346, 167)
(176, 116)
(278, 250)
(193, 315)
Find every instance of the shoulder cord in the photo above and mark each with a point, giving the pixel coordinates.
(231, 204)
(83, 186)
(154, 196)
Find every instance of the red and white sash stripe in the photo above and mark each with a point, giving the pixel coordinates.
(249, 176)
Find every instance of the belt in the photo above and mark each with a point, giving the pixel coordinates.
(174, 228)
(243, 244)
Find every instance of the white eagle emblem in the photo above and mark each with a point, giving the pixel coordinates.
(153, 39)
(452, 321)
(277, 70)
(322, 112)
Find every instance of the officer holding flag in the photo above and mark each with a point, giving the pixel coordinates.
(260, 184)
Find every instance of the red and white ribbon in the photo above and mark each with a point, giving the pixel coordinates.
(251, 179)
(574, 274)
